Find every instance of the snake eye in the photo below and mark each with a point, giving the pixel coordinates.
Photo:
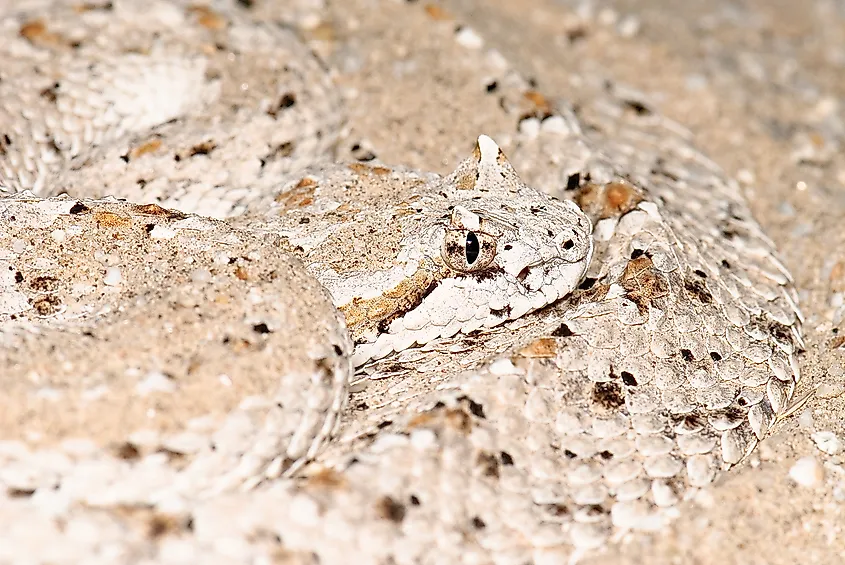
(468, 251)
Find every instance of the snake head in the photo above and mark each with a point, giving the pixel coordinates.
(492, 249)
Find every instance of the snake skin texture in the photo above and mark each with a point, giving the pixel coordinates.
(572, 338)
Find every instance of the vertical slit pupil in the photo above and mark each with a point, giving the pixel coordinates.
(473, 248)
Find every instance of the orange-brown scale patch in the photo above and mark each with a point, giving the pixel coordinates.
(155, 524)
(476, 153)
(442, 417)
(347, 211)
(540, 106)
(36, 32)
(436, 12)
(324, 31)
(642, 283)
(46, 305)
(145, 148)
(90, 7)
(112, 220)
(611, 200)
(543, 348)
(467, 181)
(156, 210)
(299, 196)
(837, 342)
(501, 159)
(595, 293)
(326, 478)
(402, 210)
(364, 169)
(837, 277)
(208, 18)
(817, 139)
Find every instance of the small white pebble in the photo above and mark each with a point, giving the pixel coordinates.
(310, 21)
(555, 124)
(468, 38)
(18, 245)
(745, 176)
(829, 390)
(155, 382)
(255, 296)
(827, 442)
(113, 277)
(497, 60)
(807, 472)
(530, 127)
(94, 393)
(628, 26)
(58, 235)
(805, 420)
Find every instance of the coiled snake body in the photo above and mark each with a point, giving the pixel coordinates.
(571, 360)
